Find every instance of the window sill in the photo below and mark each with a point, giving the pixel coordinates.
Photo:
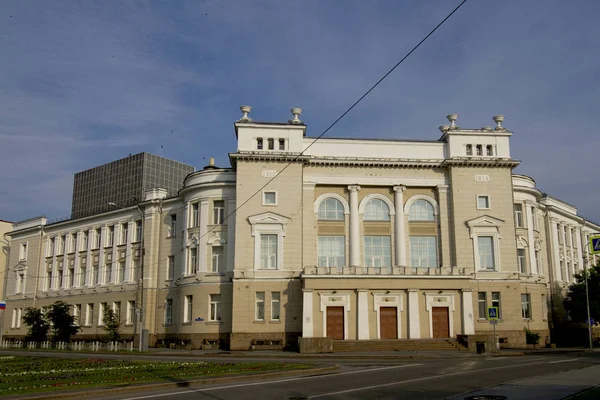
(258, 322)
(187, 323)
(275, 322)
(214, 322)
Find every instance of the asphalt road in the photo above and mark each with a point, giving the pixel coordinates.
(394, 379)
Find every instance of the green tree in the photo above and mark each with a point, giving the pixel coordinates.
(38, 325)
(62, 322)
(112, 324)
(575, 302)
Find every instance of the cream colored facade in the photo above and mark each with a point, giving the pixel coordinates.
(348, 238)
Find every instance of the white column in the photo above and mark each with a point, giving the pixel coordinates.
(414, 322)
(53, 282)
(530, 238)
(467, 312)
(555, 252)
(203, 210)
(76, 270)
(354, 227)
(580, 248)
(184, 239)
(88, 256)
(363, 314)
(230, 235)
(400, 238)
(570, 230)
(101, 266)
(307, 311)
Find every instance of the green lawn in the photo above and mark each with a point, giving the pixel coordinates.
(34, 374)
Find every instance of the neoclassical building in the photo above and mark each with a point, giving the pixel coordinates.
(352, 239)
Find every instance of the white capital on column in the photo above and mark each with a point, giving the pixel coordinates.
(530, 238)
(467, 308)
(354, 227)
(399, 226)
(363, 315)
(307, 311)
(414, 324)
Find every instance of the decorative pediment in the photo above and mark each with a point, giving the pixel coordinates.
(20, 267)
(192, 240)
(538, 244)
(268, 222)
(216, 238)
(521, 242)
(484, 225)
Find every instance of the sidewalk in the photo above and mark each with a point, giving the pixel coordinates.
(548, 387)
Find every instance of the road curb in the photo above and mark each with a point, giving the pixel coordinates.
(111, 391)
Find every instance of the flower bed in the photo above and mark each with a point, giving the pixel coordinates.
(33, 374)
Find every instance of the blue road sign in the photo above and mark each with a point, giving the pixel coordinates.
(595, 244)
(590, 321)
(492, 313)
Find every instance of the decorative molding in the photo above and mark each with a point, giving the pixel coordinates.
(412, 199)
(382, 197)
(336, 196)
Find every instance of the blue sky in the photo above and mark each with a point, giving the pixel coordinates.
(83, 83)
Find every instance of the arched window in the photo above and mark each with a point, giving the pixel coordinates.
(421, 210)
(331, 209)
(377, 210)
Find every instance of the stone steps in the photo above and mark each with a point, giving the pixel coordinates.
(397, 345)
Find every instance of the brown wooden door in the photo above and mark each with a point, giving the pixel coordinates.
(388, 321)
(440, 321)
(335, 323)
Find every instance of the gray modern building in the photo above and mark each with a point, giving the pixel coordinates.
(124, 180)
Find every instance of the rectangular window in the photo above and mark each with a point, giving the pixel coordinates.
(138, 231)
(486, 252)
(271, 143)
(101, 311)
(534, 219)
(469, 149)
(19, 317)
(269, 198)
(281, 144)
(562, 271)
(489, 150)
(71, 277)
(195, 215)
(558, 233)
(82, 276)
(77, 314)
(168, 311)
(51, 247)
(574, 238)
(20, 284)
(23, 252)
(192, 266)
(483, 202)
(48, 281)
(95, 275)
(496, 303)
(332, 251)
(538, 261)
(172, 225)
(120, 271)
(259, 309)
(170, 267)
(13, 324)
(268, 251)
(60, 278)
(187, 312)
(519, 215)
(479, 150)
(482, 305)
(130, 312)
(215, 307)
(217, 259)
(423, 251)
(378, 251)
(218, 212)
(526, 306)
(108, 273)
(89, 314)
(98, 238)
(135, 268)
(63, 244)
(275, 306)
(567, 236)
(116, 307)
(84, 242)
(73, 248)
(259, 143)
(111, 236)
(124, 227)
(569, 272)
(521, 261)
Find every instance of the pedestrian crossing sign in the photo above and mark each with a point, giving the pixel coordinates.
(595, 244)
(492, 313)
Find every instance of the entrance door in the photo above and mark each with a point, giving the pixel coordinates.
(440, 321)
(335, 323)
(388, 322)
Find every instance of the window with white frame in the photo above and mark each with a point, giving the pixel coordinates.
(332, 251)
(172, 225)
(269, 198)
(259, 143)
(89, 314)
(111, 236)
(271, 143)
(108, 273)
(275, 306)
(569, 272)
(538, 261)
(562, 270)
(377, 210)
(567, 236)
(188, 304)
(59, 273)
(101, 311)
(483, 202)
(130, 312)
(71, 277)
(496, 303)
(521, 261)
(124, 231)
(526, 305)
(85, 241)
(73, 247)
(421, 210)
(534, 219)
(378, 252)
(486, 252)
(268, 251)
(574, 237)
(77, 314)
(116, 307)
(218, 212)
(135, 270)
(63, 244)
(482, 305)
(218, 260)
(50, 252)
(138, 231)
(168, 311)
(16, 318)
(195, 215)
(170, 267)
(20, 282)
(281, 144)
(489, 150)
(423, 251)
(469, 149)
(479, 150)
(331, 209)
(193, 261)
(215, 307)
(48, 280)
(23, 252)
(259, 308)
(82, 275)
(98, 238)
(558, 234)
(120, 272)
(95, 275)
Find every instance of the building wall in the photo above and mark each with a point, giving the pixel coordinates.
(5, 247)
